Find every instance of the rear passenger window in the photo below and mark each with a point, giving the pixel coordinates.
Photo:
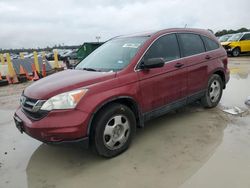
(165, 47)
(210, 44)
(191, 44)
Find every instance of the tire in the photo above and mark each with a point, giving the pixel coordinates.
(236, 52)
(4, 82)
(213, 92)
(114, 128)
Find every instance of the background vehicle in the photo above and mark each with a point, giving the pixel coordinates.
(224, 38)
(237, 44)
(70, 54)
(50, 56)
(125, 82)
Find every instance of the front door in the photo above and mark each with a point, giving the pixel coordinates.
(162, 86)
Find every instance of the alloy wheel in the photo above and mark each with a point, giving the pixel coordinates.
(214, 91)
(116, 132)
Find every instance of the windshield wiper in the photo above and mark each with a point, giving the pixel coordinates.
(89, 69)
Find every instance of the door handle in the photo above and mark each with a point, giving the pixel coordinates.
(178, 65)
(208, 57)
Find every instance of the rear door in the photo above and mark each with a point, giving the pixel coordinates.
(161, 86)
(245, 43)
(192, 49)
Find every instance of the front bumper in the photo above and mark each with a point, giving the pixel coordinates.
(228, 49)
(60, 126)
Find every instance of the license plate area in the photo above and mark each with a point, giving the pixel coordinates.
(19, 124)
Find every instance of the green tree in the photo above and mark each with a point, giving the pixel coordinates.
(230, 31)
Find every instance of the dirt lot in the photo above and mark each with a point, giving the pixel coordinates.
(192, 147)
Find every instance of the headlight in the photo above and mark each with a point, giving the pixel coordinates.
(66, 100)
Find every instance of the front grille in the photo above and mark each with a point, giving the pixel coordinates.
(28, 103)
(31, 107)
(35, 115)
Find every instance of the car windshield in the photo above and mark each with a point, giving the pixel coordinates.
(224, 38)
(113, 55)
(235, 37)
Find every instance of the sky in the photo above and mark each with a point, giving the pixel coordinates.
(41, 23)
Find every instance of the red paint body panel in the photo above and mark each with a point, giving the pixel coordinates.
(57, 125)
(64, 81)
(162, 86)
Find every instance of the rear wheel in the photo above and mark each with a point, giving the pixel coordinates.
(114, 129)
(213, 93)
(236, 52)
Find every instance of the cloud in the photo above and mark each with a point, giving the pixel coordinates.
(43, 23)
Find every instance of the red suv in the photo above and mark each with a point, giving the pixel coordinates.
(121, 85)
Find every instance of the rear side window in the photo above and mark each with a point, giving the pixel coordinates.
(191, 44)
(210, 44)
(165, 47)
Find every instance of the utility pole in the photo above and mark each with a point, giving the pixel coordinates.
(98, 38)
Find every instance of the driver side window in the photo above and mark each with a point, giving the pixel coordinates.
(165, 47)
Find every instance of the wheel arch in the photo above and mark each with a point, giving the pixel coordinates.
(237, 47)
(222, 75)
(125, 100)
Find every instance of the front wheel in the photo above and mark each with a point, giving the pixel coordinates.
(236, 52)
(114, 129)
(213, 92)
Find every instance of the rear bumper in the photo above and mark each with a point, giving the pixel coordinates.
(58, 127)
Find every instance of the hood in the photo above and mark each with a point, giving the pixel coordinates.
(225, 43)
(64, 81)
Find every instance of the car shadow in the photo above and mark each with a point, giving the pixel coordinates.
(168, 150)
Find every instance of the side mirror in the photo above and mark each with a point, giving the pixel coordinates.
(152, 63)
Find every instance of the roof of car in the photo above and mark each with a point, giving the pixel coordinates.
(151, 33)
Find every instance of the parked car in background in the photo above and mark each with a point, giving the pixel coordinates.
(69, 54)
(224, 38)
(73, 55)
(121, 85)
(62, 54)
(237, 44)
(29, 55)
(50, 56)
(14, 56)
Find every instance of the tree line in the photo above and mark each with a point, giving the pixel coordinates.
(30, 50)
(230, 31)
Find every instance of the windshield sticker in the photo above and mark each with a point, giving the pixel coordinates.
(131, 45)
(120, 62)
